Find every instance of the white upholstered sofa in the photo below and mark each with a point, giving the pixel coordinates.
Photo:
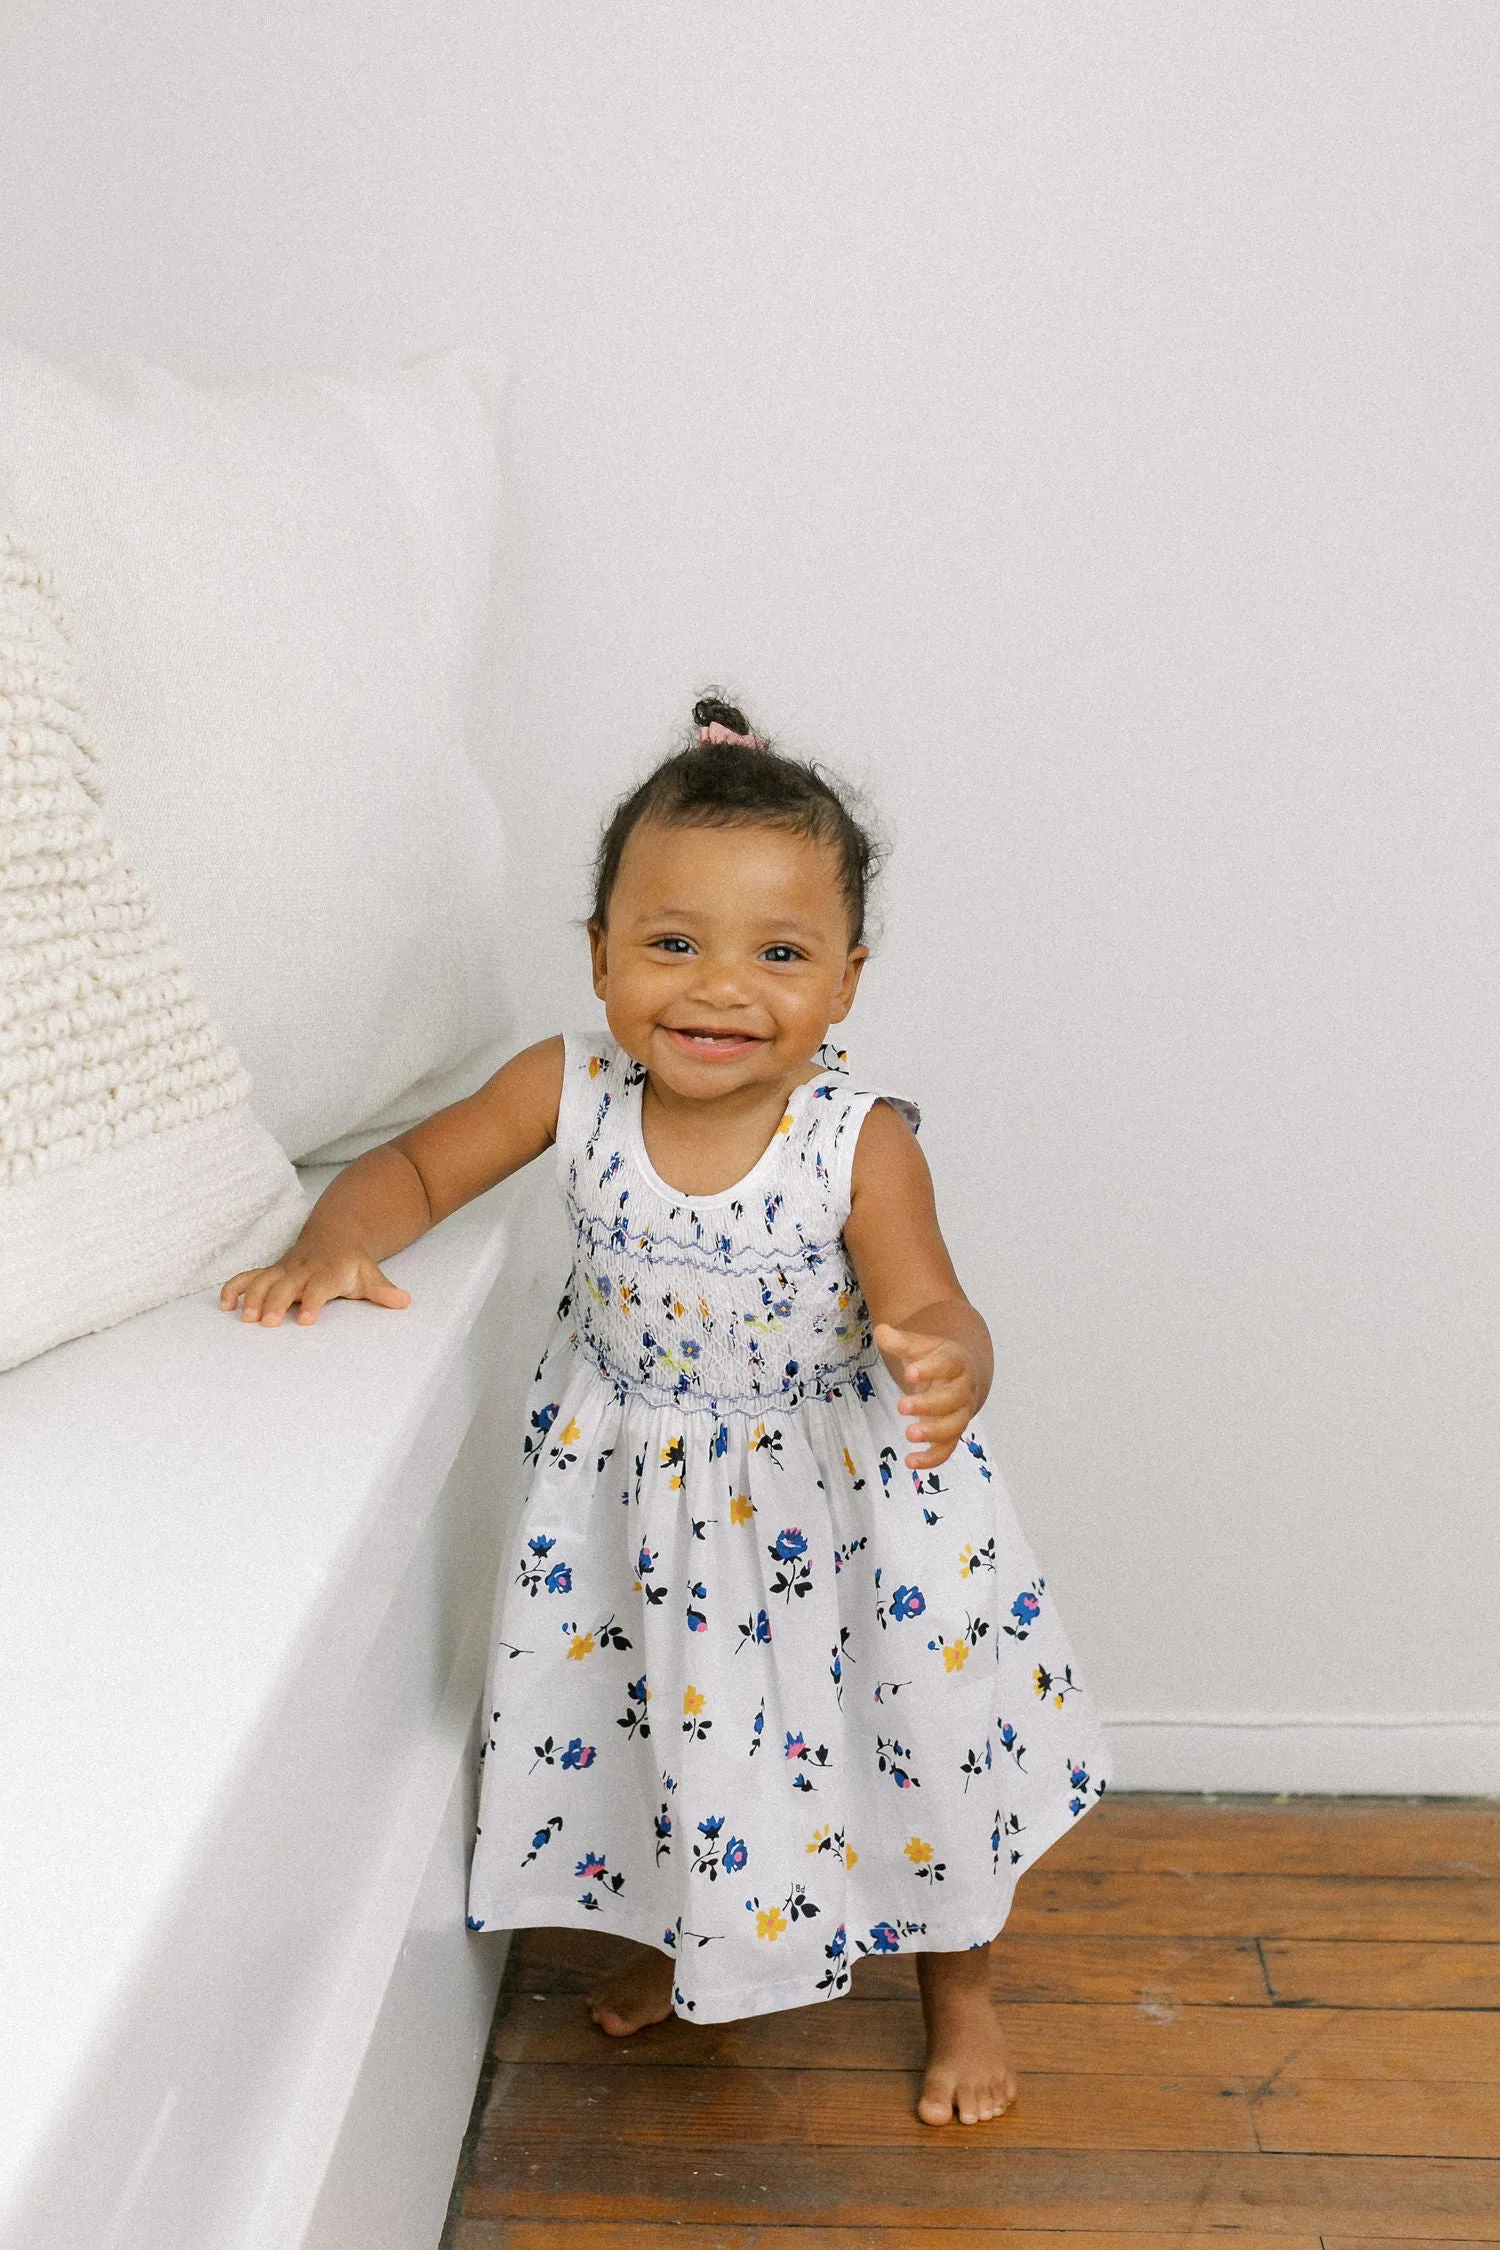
(248, 1572)
(245, 1619)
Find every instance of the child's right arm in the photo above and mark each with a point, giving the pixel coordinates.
(386, 1198)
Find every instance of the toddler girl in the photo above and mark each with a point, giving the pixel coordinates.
(778, 1681)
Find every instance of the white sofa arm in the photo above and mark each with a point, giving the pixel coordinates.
(245, 1620)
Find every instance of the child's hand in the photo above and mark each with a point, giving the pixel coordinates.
(942, 1391)
(313, 1277)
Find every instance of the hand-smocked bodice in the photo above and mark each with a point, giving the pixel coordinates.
(732, 1302)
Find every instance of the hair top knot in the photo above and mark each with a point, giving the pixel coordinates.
(723, 723)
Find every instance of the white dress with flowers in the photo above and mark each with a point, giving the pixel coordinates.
(763, 1697)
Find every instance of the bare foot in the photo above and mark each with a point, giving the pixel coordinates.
(968, 2072)
(638, 1992)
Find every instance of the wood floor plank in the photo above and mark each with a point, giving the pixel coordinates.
(1375, 1975)
(1249, 2045)
(1370, 1908)
(553, 2234)
(1143, 1834)
(1164, 1972)
(951, 2182)
(1372, 2117)
(855, 2109)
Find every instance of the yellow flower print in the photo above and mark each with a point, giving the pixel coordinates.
(678, 1308)
(955, 1656)
(693, 1702)
(850, 1855)
(770, 1922)
(820, 1837)
(741, 1508)
(966, 1562)
(849, 1464)
(918, 1852)
(703, 1311)
(570, 1435)
(580, 1646)
(596, 1064)
(786, 1123)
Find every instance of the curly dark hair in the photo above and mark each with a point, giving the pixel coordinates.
(729, 784)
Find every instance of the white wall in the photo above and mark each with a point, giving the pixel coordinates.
(1076, 422)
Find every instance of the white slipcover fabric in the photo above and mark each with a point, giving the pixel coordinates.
(281, 602)
(131, 1167)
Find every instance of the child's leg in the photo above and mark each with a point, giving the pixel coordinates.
(638, 1992)
(968, 2071)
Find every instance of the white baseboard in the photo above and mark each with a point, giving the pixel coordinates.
(1354, 1754)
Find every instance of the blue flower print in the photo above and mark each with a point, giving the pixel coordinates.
(863, 1387)
(709, 1859)
(756, 1629)
(1078, 1777)
(789, 1544)
(559, 1579)
(836, 1944)
(1027, 1608)
(542, 1838)
(884, 1939)
(541, 1546)
(697, 1622)
(591, 1864)
(908, 1601)
(577, 1755)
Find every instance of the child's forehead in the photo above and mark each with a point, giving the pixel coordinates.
(730, 868)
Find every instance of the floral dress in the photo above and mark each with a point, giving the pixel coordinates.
(763, 1697)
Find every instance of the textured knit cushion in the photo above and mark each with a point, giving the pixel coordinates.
(280, 599)
(131, 1168)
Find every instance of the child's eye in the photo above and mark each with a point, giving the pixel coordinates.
(673, 944)
(780, 953)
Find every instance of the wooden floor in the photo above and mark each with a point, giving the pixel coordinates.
(1275, 2020)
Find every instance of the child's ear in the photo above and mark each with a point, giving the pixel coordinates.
(849, 984)
(598, 948)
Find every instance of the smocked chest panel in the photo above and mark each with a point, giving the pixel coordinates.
(730, 1303)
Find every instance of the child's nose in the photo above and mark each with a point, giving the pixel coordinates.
(720, 978)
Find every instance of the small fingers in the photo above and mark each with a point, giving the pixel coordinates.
(282, 1295)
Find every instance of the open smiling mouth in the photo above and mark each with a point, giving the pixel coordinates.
(698, 1042)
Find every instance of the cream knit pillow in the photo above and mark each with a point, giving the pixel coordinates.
(131, 1167)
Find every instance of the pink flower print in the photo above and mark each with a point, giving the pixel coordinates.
(591, 1865)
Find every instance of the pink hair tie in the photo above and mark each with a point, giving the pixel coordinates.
(717, 732)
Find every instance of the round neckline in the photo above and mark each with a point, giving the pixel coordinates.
(740, 1187)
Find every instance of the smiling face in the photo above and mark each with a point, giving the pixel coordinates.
(726, 956)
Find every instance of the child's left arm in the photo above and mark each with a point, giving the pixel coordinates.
(930, 1336)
